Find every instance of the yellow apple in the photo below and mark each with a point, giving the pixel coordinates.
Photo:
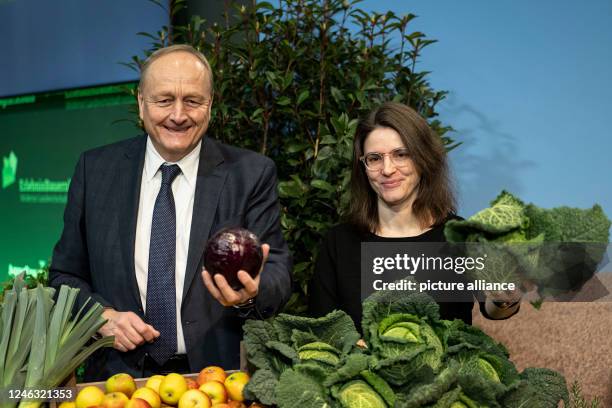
(88, 396)
(148, 395)
(67, 404)
(114, 400)
(172, 387)
(137, 403)
(234, 384)
(215, 391)
(154, 381)
(211, 373)
(121, 382)
(194, 399)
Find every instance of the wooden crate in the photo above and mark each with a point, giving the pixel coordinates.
(140, 382)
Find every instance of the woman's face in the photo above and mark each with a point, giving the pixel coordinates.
(395, 186)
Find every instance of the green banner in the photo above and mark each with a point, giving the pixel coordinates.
(40, 144)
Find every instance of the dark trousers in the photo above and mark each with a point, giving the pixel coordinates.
(175, 364)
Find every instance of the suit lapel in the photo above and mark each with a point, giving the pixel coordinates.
(130, 175)
(210, 181)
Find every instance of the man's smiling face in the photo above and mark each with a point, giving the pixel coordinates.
(175, 103)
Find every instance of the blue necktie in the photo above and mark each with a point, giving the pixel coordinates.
(161, 293)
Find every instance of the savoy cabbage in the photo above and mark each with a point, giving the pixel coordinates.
(556, 249)
(412, 359)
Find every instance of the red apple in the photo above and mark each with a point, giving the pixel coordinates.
(215, 390)
(114, 400)
(137, 403)
(191, 384)
(121, 382)
(150, 396)
(211, 373)
(235, 383)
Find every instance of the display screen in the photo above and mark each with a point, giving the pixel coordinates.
(56, 45)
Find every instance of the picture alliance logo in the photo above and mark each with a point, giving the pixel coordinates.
(33, 190)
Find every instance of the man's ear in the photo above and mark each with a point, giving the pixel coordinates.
(210, 104)
(140, 105)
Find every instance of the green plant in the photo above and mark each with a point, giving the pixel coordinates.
(291, 82)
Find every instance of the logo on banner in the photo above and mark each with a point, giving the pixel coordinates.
(33, 190)
(9, 170)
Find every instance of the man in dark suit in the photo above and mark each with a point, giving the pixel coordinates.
(138, 217)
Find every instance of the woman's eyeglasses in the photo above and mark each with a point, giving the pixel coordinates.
(376, 161)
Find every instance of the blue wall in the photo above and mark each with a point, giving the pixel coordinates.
(530, 95)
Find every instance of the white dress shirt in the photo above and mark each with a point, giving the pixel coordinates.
(183, 189)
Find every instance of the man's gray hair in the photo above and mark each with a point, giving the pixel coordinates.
(172, 49)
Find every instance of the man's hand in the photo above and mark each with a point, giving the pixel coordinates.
(128, 328)
(223, 292)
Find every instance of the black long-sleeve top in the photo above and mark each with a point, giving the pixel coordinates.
(336, 283)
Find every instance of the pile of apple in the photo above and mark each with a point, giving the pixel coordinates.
(212, 388)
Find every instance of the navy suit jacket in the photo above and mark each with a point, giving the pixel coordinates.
(235, 187)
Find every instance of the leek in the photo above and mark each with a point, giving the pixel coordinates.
(41, 341)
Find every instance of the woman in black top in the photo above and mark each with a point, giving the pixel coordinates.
(400, 191)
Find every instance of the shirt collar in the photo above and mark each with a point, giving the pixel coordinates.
(188, 164)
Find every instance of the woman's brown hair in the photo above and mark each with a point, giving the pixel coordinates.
(435, 198)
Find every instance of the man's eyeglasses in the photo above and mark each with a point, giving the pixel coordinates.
(376, 161)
